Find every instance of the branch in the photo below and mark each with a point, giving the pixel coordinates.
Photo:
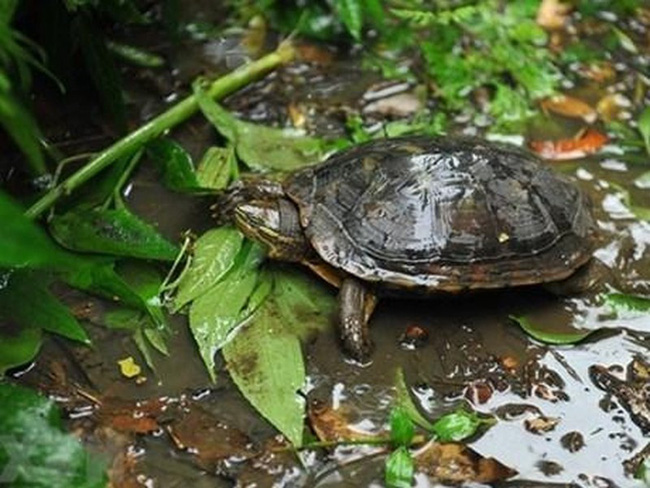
(173, 116)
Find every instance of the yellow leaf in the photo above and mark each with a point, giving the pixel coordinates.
(129, 368)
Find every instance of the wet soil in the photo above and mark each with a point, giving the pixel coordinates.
(564, 414)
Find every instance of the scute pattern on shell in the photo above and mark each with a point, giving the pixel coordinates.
(443, 213)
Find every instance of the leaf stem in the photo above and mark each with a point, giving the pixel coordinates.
(370, 441)
(173, 116)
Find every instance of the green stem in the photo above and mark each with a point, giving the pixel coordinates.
(163, 122)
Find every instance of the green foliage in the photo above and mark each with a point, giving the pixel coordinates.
(18, 56)
(457, 426)
(117, 232)
(322, 20)
(643, 471)
(214, 254)
(509, 58)
(399, 469)
(35, 451)
(402, 428)
(644, 127)
(260, 147)
(405, 401)
(217, 168)
(265, 361)
(625, 303)
(214, 314)
(174, 163)
(549, 337)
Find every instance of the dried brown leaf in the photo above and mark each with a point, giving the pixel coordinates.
(587, 142)
(569, 107)
(455, 463)
(552, 14)
(333, 424)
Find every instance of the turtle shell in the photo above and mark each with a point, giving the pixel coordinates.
(443, 214)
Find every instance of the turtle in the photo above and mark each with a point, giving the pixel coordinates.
(419, 215)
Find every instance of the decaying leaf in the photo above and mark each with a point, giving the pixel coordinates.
(542, 424)
(569, 107)
(331, 424)
(586, 142)
(552, 14)
(209, 439)
(455, 463)
(129, 368)
(612, 106)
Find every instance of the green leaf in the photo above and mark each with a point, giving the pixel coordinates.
(135, 55)
(402, 428)
(26, 301)
(24, 244)
(259, 147)
(214, 255)
(399, 469)
(644, 127)
(306, 303)
(374, 10)
(215, 313)
(622, 302)
(557, 338)
(21, 126)
(17, 347)
(217, 168)
(97, 275)
(643, 471)
(174, 163)
(405, 401)
(117, 232)
(351, 13)
(35, 451)
(265, 362)
(457, 426)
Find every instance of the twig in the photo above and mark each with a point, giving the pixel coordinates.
(163, 122)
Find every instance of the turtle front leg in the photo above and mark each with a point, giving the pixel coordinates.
(356, 304)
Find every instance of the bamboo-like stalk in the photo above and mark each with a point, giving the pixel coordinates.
(221, 87)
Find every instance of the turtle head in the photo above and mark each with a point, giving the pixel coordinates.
(275, 223)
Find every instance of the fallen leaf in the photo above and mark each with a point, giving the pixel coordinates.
(331, 424)
(456, 463)
(611, 106)
(209, 439)
(400, 105)
(569, 107)
(541, 424)
(587, 142)
(129, 368)
(312, 53)
(552, 14)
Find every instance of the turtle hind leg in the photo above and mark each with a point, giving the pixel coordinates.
(356, 304)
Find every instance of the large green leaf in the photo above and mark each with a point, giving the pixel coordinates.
(24, 244)
(457, 426)
(217, 168)
(215, 313)
(35, 451)
(214, 255)
(306, 303)
(260, 147)
(20, 125)
(551, 337)
(26, 301)
(265, 362)
(175, 164)
(351, 13)
(400, 469)
(644, 127)
(402, 427)
(117, 232)
(18, 346)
